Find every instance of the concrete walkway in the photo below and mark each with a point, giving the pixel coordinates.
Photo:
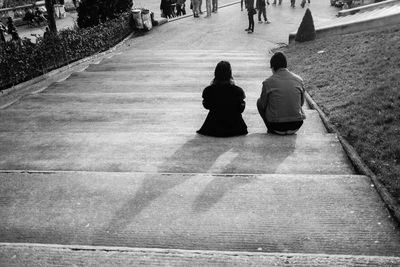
(106, 168)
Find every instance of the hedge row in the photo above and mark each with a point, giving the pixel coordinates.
(25, 60)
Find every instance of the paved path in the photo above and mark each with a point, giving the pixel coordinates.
(108, 161)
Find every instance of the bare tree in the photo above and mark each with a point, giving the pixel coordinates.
(51, 15)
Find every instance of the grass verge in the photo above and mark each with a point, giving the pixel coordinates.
(355, 79)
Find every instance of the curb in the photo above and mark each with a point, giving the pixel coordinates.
(358, 163)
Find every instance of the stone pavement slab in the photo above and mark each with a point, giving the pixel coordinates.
(172, 152)
(54, 255)
(137, 120)
(321, 214)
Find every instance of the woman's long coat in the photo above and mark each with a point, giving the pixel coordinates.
(226, 104)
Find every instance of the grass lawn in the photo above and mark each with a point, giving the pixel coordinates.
(355, 79)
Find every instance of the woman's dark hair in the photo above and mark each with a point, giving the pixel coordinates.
(278, 61)
(223, 72)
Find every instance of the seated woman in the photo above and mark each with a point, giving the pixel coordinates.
(226, 103)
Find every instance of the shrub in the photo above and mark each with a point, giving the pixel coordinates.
(21, 62)
(306, 31)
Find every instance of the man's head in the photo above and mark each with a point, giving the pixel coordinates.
(278, 61)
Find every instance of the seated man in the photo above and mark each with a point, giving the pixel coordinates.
(39, 17)
(282, 98)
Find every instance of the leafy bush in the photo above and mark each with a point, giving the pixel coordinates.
(23, 61)
(306, 31)
(93, 12)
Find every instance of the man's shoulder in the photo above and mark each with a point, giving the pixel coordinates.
(295, 76)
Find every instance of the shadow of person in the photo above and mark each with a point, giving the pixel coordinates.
(197, 155)
(237, 158)
(254, 154)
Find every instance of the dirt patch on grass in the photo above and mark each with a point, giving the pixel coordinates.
(355, 79)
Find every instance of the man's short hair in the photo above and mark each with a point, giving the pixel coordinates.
(278, 61)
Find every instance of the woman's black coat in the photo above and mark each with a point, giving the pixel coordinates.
(226, 104)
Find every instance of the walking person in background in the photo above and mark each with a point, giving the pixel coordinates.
(200, 4)
(251, 11)
(282, 97)
(303, 3)
(214, 6)
(208, 8)
(261, 7)
(195, 8)
(225, 102)
(292, 3)
(165, 8)
(180, 7)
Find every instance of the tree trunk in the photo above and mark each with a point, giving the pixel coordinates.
(50, 12)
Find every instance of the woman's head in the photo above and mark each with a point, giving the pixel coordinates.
(278, 61)
(223, 72)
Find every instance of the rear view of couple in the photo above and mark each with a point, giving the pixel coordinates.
(280, 103)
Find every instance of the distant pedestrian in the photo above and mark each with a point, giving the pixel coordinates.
(242, 3)
(251, 11)
(180, 7)
(225, 102)
(292, 3)
(262, 10)
(303, 3)
(10, 26)
(195, 8)
(200, 4)
(282, 97)
(274, 3)
(208, 8)
(214, 6)
(166, 8)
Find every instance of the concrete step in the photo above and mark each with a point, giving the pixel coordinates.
(190, 102)
(176, 76)
(130, 120)
(56, 255)
(318, 214)
(173, 152)
(86, 86)
(185, 68)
